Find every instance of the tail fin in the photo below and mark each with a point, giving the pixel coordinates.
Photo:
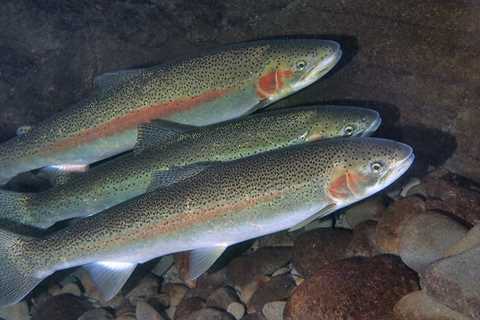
(16, 268)
(13, 207)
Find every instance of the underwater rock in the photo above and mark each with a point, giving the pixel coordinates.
(316, 248)
(18, 311)
(363, 240)
(97, 314)
(71, 288)
(370, 209)
(236, 309)
(455, 282)
(182, 262)
(208, 314)
(163, 265)
(265, 261)
(392, 221)
(61, 307)
(222, 298)
(448, 197)
(425, 238)
(246, 292)
(175, 292)
(278, 288)
(187, 306)
(354, 288)
(208, 283)
(470, 241)
(274, 310)
(254, 316)
(146, 288)
(419, 306)
(279, 239)
(125, 311)
(145, 311)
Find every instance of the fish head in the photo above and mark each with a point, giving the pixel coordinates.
(293, 64)
(343, 121)
(366, 166)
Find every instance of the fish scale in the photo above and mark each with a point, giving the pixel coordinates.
(217, 86)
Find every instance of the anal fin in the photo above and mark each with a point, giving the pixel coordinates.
(110, 276)
(202, 259)
(323, 212)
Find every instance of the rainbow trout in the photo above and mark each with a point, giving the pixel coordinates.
(165, 146)
(222, 84)
(220, 205)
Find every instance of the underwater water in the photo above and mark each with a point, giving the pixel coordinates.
(410, 251)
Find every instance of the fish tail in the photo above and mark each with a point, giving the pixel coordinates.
(13, 207)
(17, 272)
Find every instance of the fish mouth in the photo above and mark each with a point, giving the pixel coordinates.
(399, 169)
(373, 126)
(323, 67)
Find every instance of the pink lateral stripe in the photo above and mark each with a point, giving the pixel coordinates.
(133, 119)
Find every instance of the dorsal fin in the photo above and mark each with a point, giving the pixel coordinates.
(115, 79)
(157, 133)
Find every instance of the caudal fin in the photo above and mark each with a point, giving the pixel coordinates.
(14, 207)
(17, 269)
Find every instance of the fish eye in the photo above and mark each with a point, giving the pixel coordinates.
(376, 166)
(300, 65)
(348, 130)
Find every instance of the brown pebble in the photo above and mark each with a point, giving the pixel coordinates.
(418, 305)
(449, 197)
(363, 240)
(265, 261)
(274, 310)
(209, 314)
(61, 307)
(145, 288)
(278, 288)
(455, 282)
(390, 224)
(354, 288)
(319, 247)
(189, 305)
(470, 241)
(425, 238)
(145, 311)
(222, 298)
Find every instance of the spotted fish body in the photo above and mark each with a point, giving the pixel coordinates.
(130, 175)
(219, 206)
(221, 84)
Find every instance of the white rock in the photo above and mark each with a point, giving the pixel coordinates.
(274, 310)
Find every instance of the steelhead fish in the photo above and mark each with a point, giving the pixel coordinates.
(220, 205)
(222, 84)
(166, 145)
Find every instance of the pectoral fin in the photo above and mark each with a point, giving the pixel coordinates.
(56, 175)
(168, 177)
(202, 259)
(110, 276)
(158, 133)
(326, 210)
